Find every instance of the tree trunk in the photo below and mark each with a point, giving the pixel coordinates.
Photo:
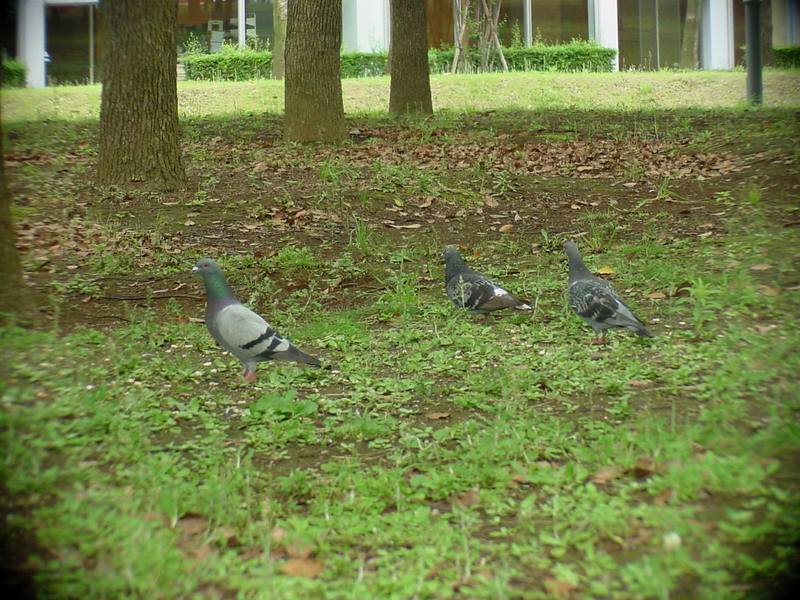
(410, 90)
(689, 58)
(766, 34)
(279, 41)
(14, 301)
(313, 88)
(460, 14)
(139, 137)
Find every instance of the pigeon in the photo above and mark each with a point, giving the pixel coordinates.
(472, 290)
(596, 302)
(238, 329)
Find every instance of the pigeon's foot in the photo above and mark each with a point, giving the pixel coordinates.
(249, 375)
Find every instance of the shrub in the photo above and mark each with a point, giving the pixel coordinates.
(13, 73)
(577, 55)
(233, 64)
(787, 57)
(228, 64)
(363, 64)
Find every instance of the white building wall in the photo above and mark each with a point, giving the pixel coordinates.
(365, 25)
(31, 40)
(603, 25)
(717, 35)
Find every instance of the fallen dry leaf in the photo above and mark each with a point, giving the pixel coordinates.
(302, 567)
(765, 328)
(761, 267)
(435, 416)
(507, 228)
(639, 383)
(768, 290)
(277, 534)
(656, 295)
(606, 271)
(606, 474)
(299, 550)
(408, 226)
(468, 498)
(490, 202)
(558, 588)
(192, 524)
(644, 467)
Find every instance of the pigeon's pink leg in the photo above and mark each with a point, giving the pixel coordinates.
(249, 375)
(601, 339)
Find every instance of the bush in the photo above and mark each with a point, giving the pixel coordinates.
(577, 55)
(228, 64)
(787, 57)
(234, 64)
(363, 64)
(13, 73)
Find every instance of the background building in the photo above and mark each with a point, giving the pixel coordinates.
(58, 40)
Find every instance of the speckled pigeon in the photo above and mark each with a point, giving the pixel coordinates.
(472, 290)
(238, 329)
(595, 301)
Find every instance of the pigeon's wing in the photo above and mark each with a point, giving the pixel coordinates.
(593, 300)
(477, 292)
(596, 301)
(251, 339)
(246, 335)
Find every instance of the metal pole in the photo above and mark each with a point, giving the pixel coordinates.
(657, 28)
(527, 22)
(91, 43)
(242, 20)
(752, 38)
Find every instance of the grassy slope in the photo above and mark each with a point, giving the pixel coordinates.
(528, 91)
(445, 457)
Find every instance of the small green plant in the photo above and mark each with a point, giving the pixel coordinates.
(363, 238)
(705, 304)
(290, 259)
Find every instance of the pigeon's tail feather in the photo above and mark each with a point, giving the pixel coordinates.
(641, 330)
(298, 356)
(504, 301)
(522, 306)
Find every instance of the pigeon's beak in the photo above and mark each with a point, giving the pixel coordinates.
(194, 269)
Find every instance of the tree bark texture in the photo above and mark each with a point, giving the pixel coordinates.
(139, 136)
(13, 299)
(690, 42)
(410, 90)
(313, 87)
(279, 39)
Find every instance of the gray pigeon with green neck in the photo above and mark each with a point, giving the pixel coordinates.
(472, 290)
(596, 302)
(238, 329)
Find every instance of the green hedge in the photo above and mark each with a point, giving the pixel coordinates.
(236, 65)
(363, 64)
(13, 73)
(577, 55)
(787, 57)
(232, 64)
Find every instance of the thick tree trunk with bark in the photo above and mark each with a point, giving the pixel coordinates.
(690, 43)
(139, 137)
(410, 90)
(279, 41)
(313, 88)
(14, 302)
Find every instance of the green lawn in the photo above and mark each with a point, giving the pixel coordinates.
(521, 91)
(444, 456)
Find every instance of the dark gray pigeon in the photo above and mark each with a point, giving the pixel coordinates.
(238, 329)
(472, 290)
(595, 301)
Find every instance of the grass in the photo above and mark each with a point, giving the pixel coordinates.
(521, 91)
(443, 455)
